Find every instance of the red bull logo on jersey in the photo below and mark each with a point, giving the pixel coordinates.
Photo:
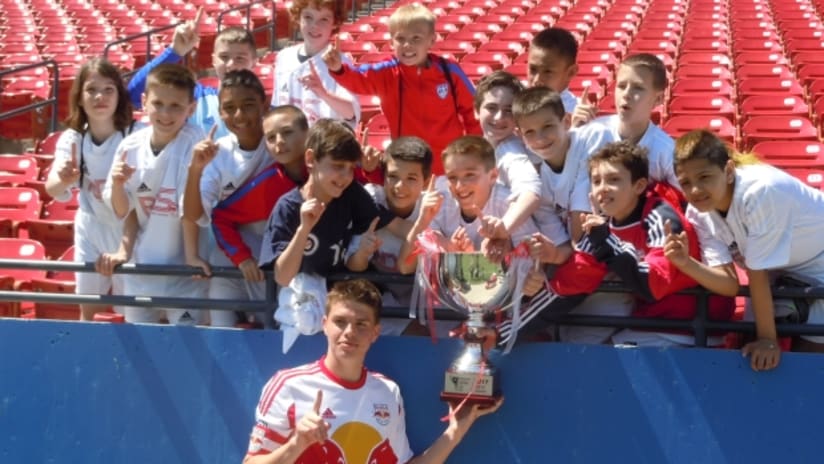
(351, 443)
(381, 413)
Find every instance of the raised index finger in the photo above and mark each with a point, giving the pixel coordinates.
(198, 17)
(364, 137)
(212, 133)
(318, 401)
(585, 95)
(373, 225)
(74, 155)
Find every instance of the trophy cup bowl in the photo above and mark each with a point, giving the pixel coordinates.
(472, 285)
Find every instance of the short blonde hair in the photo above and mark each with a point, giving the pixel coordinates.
(411, 13)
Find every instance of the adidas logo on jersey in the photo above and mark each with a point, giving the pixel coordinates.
(229, 186)
(143, 188)
(328, 414)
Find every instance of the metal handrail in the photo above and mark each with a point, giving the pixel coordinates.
(247, 7)
(129, 38)
(700, 325)
(52, 101)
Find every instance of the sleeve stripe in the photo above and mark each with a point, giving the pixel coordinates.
(274, 385)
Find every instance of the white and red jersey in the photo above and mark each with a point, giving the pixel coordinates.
(230, 169)
(155, 191)
(288, 89)
(658, 143)
(366, 417)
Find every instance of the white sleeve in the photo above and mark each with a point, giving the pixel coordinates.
(714, 252)
(579, 197)
(272, 428)
(519, 174)
(769, 228)
(551, 225)
(63, 155)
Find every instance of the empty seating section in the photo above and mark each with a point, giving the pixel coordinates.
(751, 70)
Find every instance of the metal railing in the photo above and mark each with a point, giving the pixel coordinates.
(130, 38)
(271, 26)
(51, 101)
(700, 325)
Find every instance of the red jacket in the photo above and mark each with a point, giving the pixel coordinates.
(418, 101)
(251, 202)
(635, 253)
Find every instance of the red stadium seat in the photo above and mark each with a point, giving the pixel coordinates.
(812, 177)
(777, 127)
(785, 149)
(56, 282)
(16, 170)
(769, 86)
(680, 125)
(56, 236)
(61, 210)
(721, 106)
(751, 71)
(704, 87)
(17, 204)
(766, 105)
(22, 248)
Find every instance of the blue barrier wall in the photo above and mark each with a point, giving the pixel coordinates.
(95, 393)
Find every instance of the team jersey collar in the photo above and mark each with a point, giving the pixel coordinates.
(343, 383)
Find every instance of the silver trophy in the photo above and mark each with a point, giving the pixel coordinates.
(472, 285)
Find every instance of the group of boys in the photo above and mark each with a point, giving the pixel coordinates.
(519, 166)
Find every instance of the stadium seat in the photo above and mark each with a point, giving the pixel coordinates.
(799, 149)
(17, 204)
(16, 170)
(769, 86)
(812, 177)
(677, 126)
(777, 127)
(56, 236)
(686, 105)
(21, 248)
(56, 282)
(767, 105)
(751, 71)
(703, 87)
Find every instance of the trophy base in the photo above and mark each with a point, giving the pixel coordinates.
(483, 400)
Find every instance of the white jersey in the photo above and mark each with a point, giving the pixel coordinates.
(515, 170)
(774, 223)
(95, 162)
(449, 218)
(568, 190)
(155, 192)
(657, 142)
(288, 89)
(569, 100)
(231, 168)
(714, 251)
(367, 419)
